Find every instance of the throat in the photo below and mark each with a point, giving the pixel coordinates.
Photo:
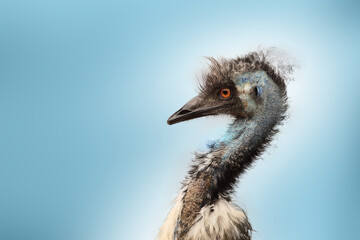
(243, 140)
(242, 144)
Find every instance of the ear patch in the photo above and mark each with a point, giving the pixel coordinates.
(258, 91)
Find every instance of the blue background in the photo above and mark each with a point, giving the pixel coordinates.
(86, 88)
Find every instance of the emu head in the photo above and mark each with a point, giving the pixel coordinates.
(243, 88)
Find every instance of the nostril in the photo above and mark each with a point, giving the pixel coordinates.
(184, 111)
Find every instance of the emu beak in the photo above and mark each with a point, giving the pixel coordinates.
(195, 108)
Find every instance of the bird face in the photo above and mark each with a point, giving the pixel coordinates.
(239, 96)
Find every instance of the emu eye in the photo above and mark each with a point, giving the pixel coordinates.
(225, 93)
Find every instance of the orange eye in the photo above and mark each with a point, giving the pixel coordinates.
(225, 93)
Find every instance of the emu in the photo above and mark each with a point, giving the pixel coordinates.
(252, 90)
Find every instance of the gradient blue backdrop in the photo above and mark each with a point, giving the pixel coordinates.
(86, 88)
